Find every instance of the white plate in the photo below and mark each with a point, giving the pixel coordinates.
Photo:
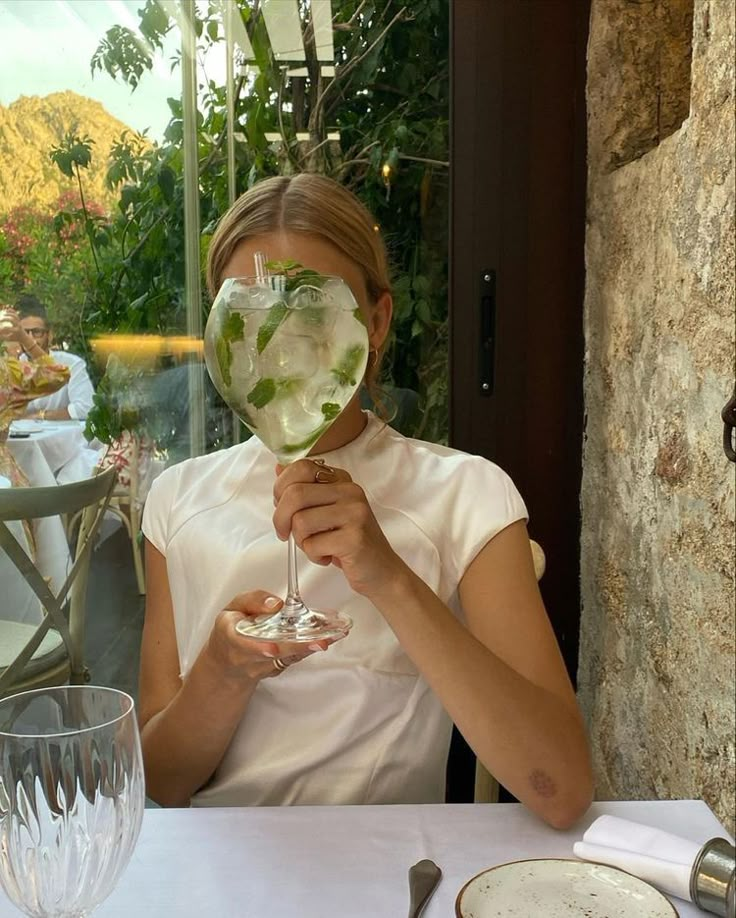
(558, 888)
(25, 427)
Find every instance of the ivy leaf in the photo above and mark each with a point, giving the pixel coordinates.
(276, 315)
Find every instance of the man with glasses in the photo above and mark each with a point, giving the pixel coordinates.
(74, 400)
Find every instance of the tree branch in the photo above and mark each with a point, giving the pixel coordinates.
(421, 159)
(344, 72)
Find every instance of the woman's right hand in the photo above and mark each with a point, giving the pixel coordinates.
(246, 659)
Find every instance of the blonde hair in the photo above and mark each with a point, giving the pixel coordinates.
(313, 205)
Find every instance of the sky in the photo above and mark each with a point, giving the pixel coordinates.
(46, 46)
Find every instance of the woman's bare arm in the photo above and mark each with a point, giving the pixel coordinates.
(187, 724)
(501, 679)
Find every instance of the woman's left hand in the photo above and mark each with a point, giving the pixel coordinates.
(333, 523)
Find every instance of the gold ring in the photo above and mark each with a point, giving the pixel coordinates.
(325, 474)
(279, 665)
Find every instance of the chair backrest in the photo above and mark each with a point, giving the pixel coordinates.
(65, 610)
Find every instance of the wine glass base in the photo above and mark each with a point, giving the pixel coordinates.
(302, 629)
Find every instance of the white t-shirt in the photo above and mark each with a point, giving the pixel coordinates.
(357, 723)
(76, 396)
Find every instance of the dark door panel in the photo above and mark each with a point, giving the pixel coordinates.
(518, 176)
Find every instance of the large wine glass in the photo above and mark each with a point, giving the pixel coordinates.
(287, 353)
(71, 797)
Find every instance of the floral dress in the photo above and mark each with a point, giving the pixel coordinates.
(20, 382)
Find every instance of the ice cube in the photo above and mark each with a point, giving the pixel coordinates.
(337, 293)
(305, 296)
(288, 355)
(243, 369)
(262, 297)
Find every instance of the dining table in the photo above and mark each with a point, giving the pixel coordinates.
(41, 449)
(348, 861)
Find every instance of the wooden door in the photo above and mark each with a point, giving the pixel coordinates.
(518, 176)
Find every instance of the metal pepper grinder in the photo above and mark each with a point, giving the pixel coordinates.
(713, 878)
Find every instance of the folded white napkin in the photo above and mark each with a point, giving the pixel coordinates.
(660, 858)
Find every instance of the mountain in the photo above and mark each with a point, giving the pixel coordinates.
(30, 127)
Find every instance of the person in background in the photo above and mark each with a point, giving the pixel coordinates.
(74, 400)
(20, 381)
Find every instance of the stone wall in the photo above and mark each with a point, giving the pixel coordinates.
(657, 647)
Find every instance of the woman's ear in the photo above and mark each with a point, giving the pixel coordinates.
(380, 320)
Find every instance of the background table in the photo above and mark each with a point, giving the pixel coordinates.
(50, 445)
(344, 862)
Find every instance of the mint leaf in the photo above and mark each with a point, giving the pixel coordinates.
(276, 315)
(347, 369)
(289, 448)
(224, 359)
(330, 410)
(281, 267)
(233, 328)
(306, 276)
(265, 390)
(262, 393)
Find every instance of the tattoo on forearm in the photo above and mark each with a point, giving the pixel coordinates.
(542, 783)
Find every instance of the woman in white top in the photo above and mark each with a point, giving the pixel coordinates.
(423, 546)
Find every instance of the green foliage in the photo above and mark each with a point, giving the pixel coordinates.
(50, 258)
(119, 404)
(389, 102)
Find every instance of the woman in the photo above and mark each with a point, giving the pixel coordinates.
(20, 382)
(425, 547)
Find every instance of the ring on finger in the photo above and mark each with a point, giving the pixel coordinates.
(279, 665)
(325, 474)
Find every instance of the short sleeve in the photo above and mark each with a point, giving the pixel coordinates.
(487, 501)
(157, 510)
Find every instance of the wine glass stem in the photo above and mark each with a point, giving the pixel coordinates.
(293, 607)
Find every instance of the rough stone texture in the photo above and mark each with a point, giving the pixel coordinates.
(639, 77)
(657, 676)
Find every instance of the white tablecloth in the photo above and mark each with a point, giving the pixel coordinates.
(50, 446)
(344, 862)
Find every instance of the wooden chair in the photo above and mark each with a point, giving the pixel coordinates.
(486, 786)
(52, 651)
(125, 503)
